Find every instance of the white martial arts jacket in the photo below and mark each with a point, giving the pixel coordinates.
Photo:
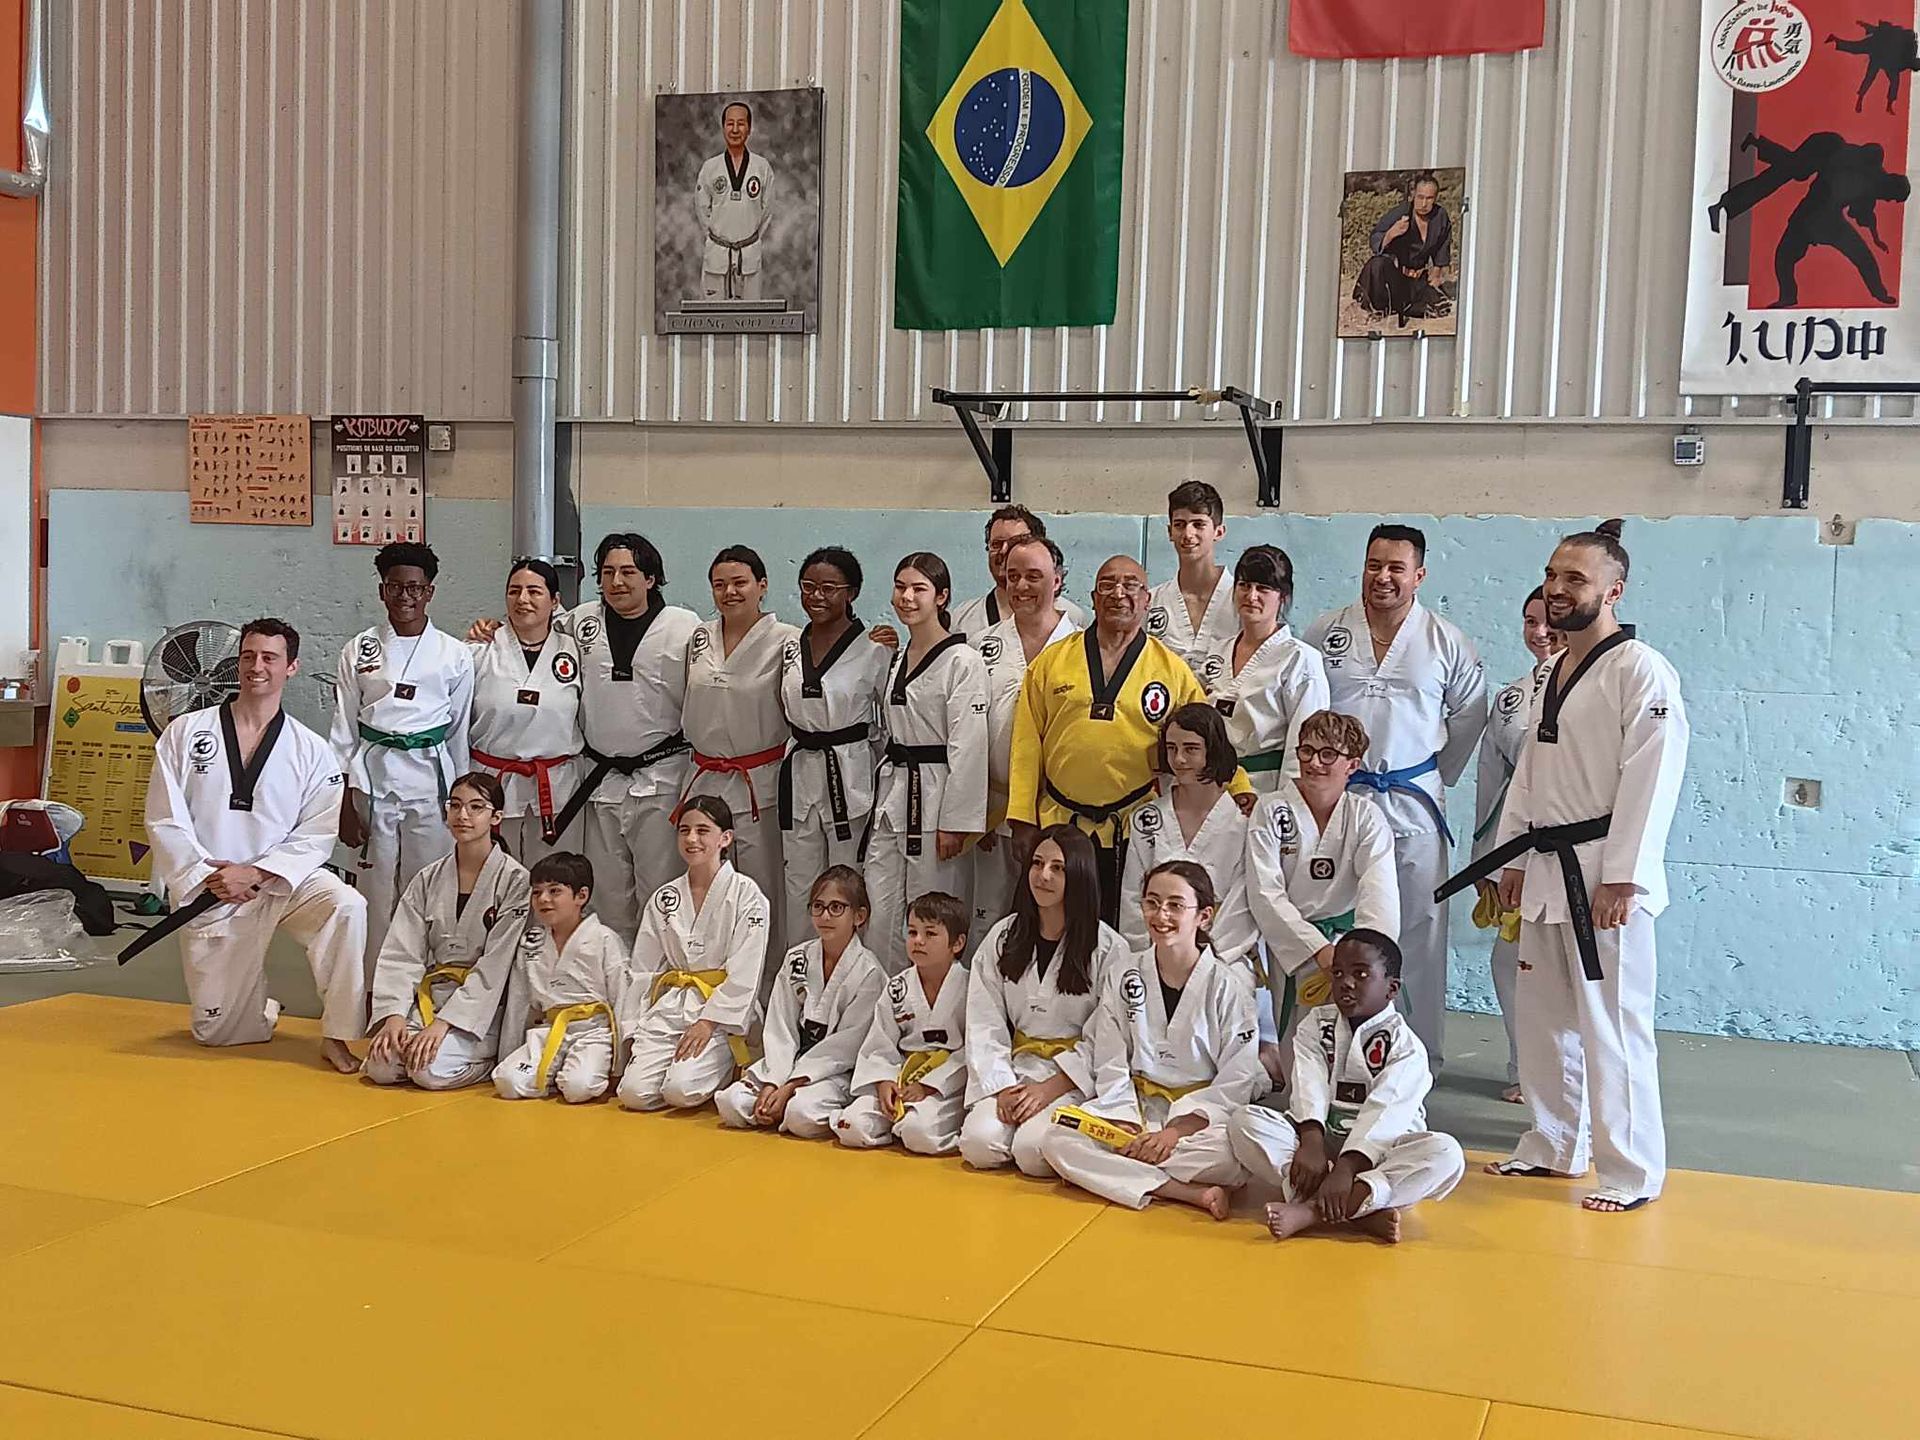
(999, 1009)
(1005, 660)
(630, 712)
(288, 831)
(402, 685)
(427, 933)
(528, 714)
(1168, 622)
(1621, 750)
(1207, 1051)
(592, 969)
(847, 690)
(733, 209)
(814, 1024)
(725, 945)
(1367, 1086)
(1297, 874)
(1281, 684)
(1220, 848)
(938, 705)
(1499, 754)
(733, 710)
(1427, 698)
(977, 616)
(906, 1022)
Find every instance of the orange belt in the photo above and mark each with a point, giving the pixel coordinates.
(541, 769)
(741, 765)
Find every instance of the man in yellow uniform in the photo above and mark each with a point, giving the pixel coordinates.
(1084, 728)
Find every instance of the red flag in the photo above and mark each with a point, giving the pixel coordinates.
(1382, 29)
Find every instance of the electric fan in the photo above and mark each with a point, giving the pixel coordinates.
(194, 665)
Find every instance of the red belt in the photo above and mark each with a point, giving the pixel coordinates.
(541, 769)
(740, 765)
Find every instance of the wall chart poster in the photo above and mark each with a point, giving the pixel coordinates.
(1802, 263)
(249, 470)
(379, 479)
(100, 755)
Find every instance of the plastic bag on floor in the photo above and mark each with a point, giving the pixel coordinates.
(40, 932)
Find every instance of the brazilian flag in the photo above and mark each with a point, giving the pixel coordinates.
(1012, 122)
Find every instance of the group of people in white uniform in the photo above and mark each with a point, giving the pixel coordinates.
(621, 849)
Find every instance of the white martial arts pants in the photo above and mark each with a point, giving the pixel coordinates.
(655, 1080)
(1203, 1158)
(810, 1111)
(714, 286)
(930, 1126)
(1420, 862)
(581, 1071)
(1587, 1053)
(1505, 964)
(987, 1142)
(807, 849)
(224, 960)
(895, 879)
(630, 844)
(1420, 1165)
(463, 1060)
(404, 836)
(995, 873)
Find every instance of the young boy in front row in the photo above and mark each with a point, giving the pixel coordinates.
(557, 1030)
(1352, 1147)
(911, 1078)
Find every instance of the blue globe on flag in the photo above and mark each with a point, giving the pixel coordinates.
(1009, 128)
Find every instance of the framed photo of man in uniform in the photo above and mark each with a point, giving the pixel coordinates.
(736, 212)
(1400, 252)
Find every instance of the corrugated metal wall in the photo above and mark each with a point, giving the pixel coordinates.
(224, 238)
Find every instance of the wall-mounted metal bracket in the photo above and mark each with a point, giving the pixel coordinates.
(1797, 482)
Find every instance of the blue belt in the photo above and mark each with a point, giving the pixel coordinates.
(1401, 781)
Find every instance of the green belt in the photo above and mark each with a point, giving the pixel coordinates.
(419, 740)
(1264, 764)
(1333, 927)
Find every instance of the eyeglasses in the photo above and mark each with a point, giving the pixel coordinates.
(822, 589)
(1174, 909)
(832, 909)
(1128, 587)
(1000, 547)
(469, 807)
(406, 589)
(1322, 754)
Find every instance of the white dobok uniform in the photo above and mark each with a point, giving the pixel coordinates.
(400, 712)
(1499, 753)
(445, 961)
(1152, 1068)
(1219, 848)
(1282, 683)
(826, 781)
(1367, 1087)
(1587, 1051)
(557, 1029)
(733, 208)
(1307, 885)
(739, 734)
(287, 828)
(1424, 705)
(1169, 623)
(630, 718)
(690, 966)
(1011, 1025)
(912, 1038)
(526, 730)
(973, 618)
(933, 777)
(814, 1027)
(997, 871)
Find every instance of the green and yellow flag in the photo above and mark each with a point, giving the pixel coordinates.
(1012, 123)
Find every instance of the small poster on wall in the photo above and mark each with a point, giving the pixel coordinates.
(1399, 265)
(249, 470)
(736, 212)
(379, 479)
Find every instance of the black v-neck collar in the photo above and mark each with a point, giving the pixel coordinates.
(1105, 691)
(736, 178)
(1556, 695)
(902, 679)
(242, 779)
(812, 675)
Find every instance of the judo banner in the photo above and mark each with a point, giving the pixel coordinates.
(1389, 29)
(1800, 262)
(1012, 128)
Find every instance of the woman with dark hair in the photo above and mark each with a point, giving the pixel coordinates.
(832, 699)
(1035, 979)
(526, 711)
(931, 789)
(1262, 679)
(733, 720)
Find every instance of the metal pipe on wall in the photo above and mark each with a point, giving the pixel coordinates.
(36, 124)
(536, 300)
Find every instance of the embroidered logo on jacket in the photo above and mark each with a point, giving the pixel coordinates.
(1339, 641)
(587, 630)
(1377, 1050)
(1133, 993)
(1157, 621)
(992, 648)
(1510, 700)
(565, 669)
(1154, 702)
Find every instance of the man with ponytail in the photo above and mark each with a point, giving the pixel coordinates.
(1582, 855)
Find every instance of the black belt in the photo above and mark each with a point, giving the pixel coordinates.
(913, 757)
(1547, 840)
(1100, 814)
(605, 765)
(824, 742)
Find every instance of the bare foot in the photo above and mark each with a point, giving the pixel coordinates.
(1216, 1201)
(1382, 1225)
(1612, 1202)
(336, 1054)
(1514, 1095)
(1285, 1219)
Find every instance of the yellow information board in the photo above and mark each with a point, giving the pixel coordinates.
(100, 754)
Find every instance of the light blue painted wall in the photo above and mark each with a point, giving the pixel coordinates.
(1798, 659)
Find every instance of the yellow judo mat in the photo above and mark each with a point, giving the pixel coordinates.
(198, 1243)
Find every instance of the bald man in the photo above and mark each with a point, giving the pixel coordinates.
(1083, 730)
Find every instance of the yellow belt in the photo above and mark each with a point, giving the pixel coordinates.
(1045, 1046)
(423, 992)
(558, 1019)
(1488, 915)
(1094, 1127)
(1315, 988)
(916, 1067)
(706, 982)
(1153, 1090)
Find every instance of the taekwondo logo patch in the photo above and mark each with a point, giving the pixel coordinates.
(1133, 992)
(587, 630)
(366, 650)
(1377, 1049)
(753, 187)
(1510, 700)
(203, 747)
(1211, 669)
(486, 920)
(1326, 1039)
(534, 938)
(1157, 621)
(1339, 641)
(1284, 825)
(1155, 701)
(1321, 868)
(1658, 712)
(565, 668)
(697, 646)
(1147, 821)
(992, 648)
(790, 654)
(667, 900)
(797, 969)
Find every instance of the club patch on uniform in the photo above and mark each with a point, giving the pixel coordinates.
(1339, 641)
(565, 668)
(204, 747)
(1509, 700)
(534, 937)
(1284, 825)
(1211, 669)
(797, 970)
(493, 914)
(404, 691)
(666, 900)
(790, 654)
(1155, 700)
(1326, 1039)
(1376, 1052)
(366, 650)
(1147, 822)
(1658, 712)
(753, 187)
(587, 630)
(527, 697)
(992, 648)
(697, 645)
(897, 989)
(934, 1037)
(1321, 868)
(1350, 1092)
(1133, 992)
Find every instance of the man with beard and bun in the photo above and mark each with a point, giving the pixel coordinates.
(1195, 611)
(1582, 856)
(1416, 685)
